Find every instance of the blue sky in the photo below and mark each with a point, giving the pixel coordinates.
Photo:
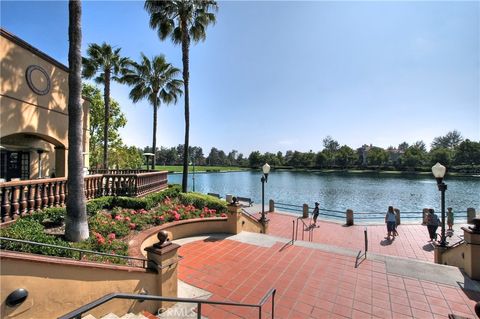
(274, 76)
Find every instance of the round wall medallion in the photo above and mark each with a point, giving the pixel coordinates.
(38, 79)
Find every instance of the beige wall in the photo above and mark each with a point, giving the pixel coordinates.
(56, 288)
(27, 114)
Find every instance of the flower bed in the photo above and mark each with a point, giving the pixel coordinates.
(111, 224)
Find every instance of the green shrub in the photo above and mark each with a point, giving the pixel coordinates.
(156, 198)
(31, 230)
(129, 202)
(201, 200)
(94, 205)
(53, 215)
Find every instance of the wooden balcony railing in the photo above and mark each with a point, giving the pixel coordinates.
(22, 197)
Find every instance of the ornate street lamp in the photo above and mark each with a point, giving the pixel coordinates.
(439, 171)
(146, 156)
(266, 170)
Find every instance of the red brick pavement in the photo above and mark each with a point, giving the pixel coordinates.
(412, 241)
(312, 284)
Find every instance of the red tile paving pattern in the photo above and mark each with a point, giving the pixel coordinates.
(412, 241)
(312, 284)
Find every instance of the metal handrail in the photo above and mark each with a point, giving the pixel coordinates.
(77, 313)
(80, 251)
(309, 228)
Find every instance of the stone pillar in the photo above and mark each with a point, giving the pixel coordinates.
(349, 216)
(424, 216)
(234, 211)
(163, 258)
(271, 206)
(305, 211)
(397, 216)
(60, 162)
(471, 214)
(472, 250)
(437, 254)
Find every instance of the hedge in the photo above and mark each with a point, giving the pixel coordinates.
(201, 200)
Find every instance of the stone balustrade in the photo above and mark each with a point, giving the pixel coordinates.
(22, 197)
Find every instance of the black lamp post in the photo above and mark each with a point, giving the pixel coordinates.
(266, 170)
(147, 155)
(193, 175)
(439, 171)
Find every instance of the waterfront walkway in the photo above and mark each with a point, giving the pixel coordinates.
(324, 278)
(412, 242)
(314, 283)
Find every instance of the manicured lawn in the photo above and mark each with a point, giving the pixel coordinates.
(179, 168)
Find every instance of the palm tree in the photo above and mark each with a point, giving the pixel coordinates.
(156, 81)
(184, 21)
(76, 226)
(109, 65)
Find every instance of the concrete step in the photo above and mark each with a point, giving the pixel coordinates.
(111, 316)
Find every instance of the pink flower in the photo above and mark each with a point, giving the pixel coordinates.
(176, 216)
(112, 223)
(111, 236)
(118, 217)
(201, 215)
(162, 218)
(133, 225)
(224, 215)
(101, 241)
(127, 219)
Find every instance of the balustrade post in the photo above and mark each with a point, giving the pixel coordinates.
(31, 198)
(44, 195)
(15, 201)
(62, 193)
(51, 196)
(38, 197)
(23, 200)
(6, 204)
(57, 194)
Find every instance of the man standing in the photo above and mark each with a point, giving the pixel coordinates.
(316, 212)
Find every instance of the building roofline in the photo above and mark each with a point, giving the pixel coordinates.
(10, 36)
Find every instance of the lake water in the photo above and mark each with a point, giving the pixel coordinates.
(371, 193)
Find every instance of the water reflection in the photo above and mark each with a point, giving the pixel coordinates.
(339, 191)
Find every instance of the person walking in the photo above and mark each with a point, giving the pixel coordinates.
(432, 224)
(316, 212)
(450, 218)
(390, 220)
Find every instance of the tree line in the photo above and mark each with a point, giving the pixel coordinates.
(451, 150)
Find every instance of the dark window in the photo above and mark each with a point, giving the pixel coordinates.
(25, 166)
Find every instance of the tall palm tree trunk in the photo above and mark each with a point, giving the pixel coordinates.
(106, 97)
(154, 141)
(185, 60)
(76, 228)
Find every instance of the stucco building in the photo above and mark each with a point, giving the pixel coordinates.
(34, 112)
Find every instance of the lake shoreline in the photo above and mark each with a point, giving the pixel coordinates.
(328, 171)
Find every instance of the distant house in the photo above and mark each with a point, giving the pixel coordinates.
(363, 154)
(34, 113)
(394, 155)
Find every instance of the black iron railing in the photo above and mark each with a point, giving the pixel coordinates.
(306, 228)
(78, 313)
(362, 216)
(131, 261)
